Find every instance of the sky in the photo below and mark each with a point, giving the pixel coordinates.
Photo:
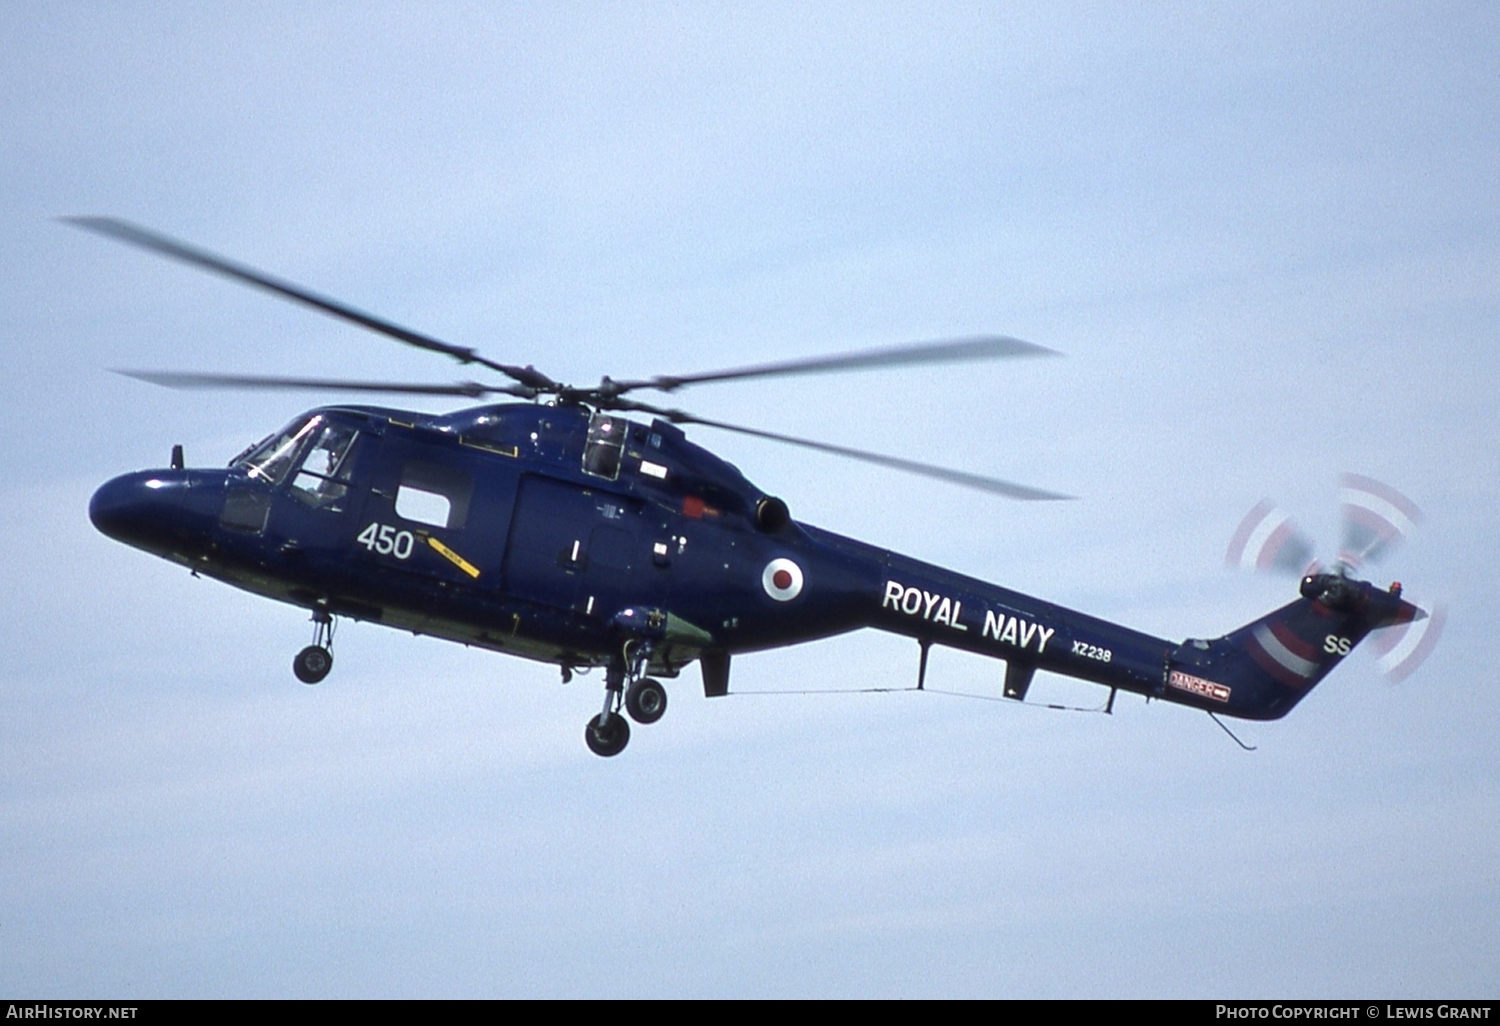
(1267, 241)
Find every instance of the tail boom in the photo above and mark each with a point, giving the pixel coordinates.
(1260, 671)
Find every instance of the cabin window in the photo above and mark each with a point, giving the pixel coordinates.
(605, 445)
(323, 478)
(434, 495)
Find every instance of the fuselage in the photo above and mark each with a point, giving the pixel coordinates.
(550, 533)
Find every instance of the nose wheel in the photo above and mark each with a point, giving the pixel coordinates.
(313, 662)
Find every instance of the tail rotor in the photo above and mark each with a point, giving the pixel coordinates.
(1400, 650)
(1374, 519)
(1269, 541)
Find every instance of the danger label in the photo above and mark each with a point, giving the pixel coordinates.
(1198, 686)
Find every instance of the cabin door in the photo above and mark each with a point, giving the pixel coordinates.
(572, 548)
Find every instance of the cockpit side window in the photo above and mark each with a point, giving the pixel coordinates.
(605, 446)
(270, 460)
(323, 477)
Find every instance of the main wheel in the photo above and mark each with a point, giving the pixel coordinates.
(312, 664)
(609, 740)
(646, 700)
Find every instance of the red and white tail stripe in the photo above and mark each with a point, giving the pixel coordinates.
(1268, 539)
(1374, 515)
(1285, 656)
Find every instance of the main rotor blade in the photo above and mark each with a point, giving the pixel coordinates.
(994, 486)
(144, 238)
(987, 347)
(175, 379)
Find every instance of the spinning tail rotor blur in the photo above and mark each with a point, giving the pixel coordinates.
(1374, 518)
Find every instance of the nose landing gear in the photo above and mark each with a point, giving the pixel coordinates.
(313, 662)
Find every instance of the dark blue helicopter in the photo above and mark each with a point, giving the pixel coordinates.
(568, 533)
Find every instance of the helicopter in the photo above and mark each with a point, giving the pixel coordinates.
(558, 528)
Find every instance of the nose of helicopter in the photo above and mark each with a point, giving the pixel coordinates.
(143, 509)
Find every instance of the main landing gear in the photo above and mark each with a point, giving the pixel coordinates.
(606, 734)
(644, 699)
(313, 662)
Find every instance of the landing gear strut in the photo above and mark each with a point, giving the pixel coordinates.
(313, 662)
(645, 700)
(608, 733)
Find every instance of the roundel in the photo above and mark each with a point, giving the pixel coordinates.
(782, 580)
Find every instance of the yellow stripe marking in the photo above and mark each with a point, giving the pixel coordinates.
(453, 557)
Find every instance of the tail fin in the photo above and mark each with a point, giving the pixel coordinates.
(1262, 670)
